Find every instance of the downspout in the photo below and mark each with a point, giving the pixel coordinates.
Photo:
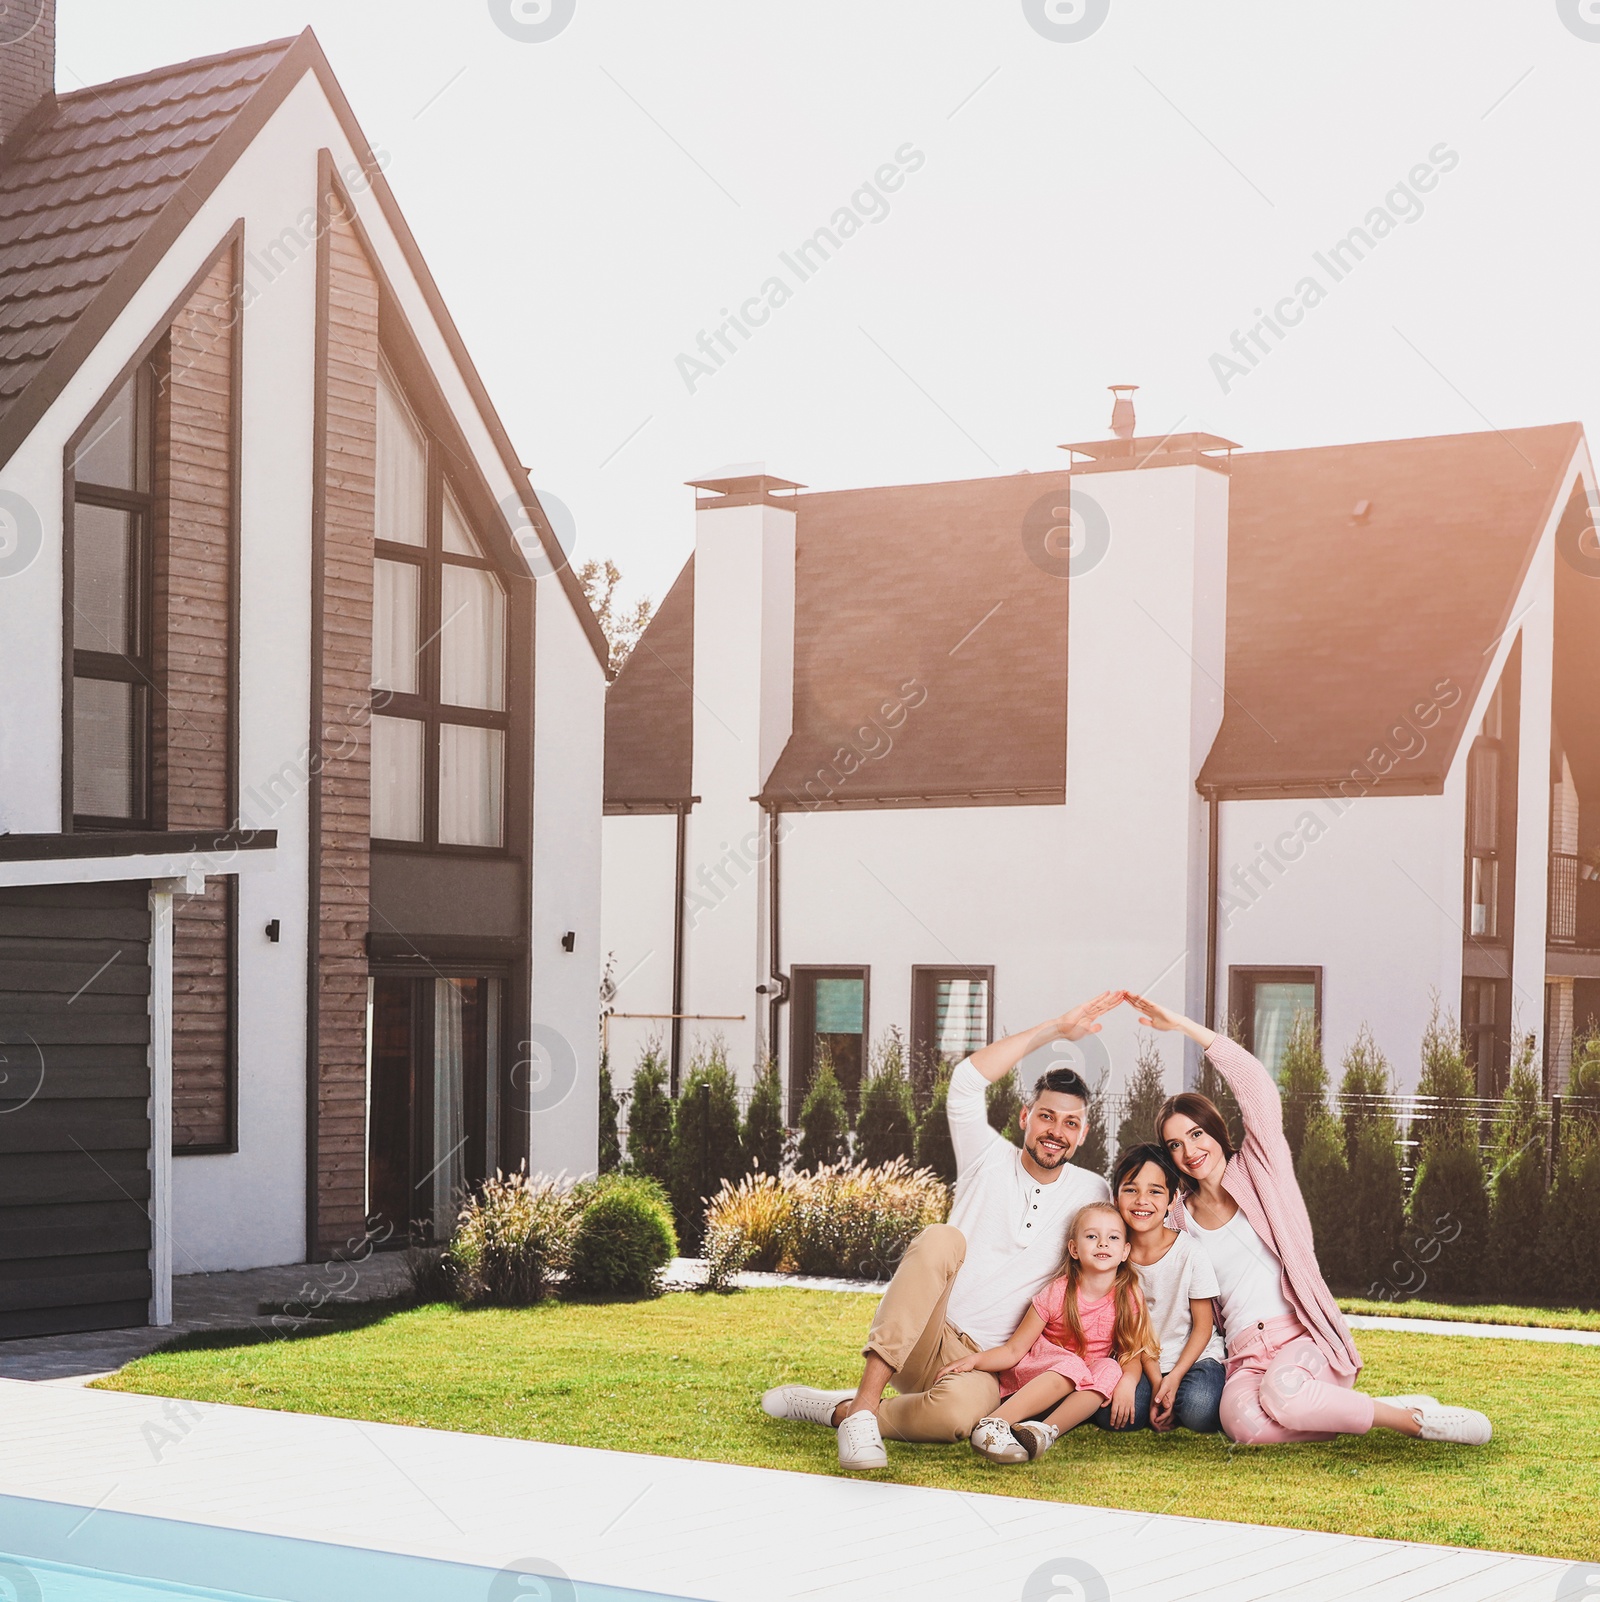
(777, 986)
(1213, 812)
(677, 946)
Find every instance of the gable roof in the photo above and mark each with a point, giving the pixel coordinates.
(95, 188)
(1338, 627)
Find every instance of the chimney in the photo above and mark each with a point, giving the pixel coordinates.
(27, 63)
(1122, 409)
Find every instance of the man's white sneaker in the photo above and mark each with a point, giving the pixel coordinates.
(1463, 1425)
(803, 1404)
(992, 1439)
(861, 1442)
(1036, 1437)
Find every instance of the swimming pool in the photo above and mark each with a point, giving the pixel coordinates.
(54, 1552)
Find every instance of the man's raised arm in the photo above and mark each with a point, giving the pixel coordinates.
(997, 1060)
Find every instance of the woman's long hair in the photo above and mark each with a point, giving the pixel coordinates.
(1200, 1110)
(1131, 1334)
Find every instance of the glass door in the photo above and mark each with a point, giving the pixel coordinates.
(433, 1066)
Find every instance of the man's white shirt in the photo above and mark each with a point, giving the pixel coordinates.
(1016, 1227)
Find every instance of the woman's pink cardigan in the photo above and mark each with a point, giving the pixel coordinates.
(1260, 1178)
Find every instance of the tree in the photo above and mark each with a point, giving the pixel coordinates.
(1377, 1192)
(610, 1142)
(1211, 1084)
(1143, 1099)
(1302, 1080)
(1516, 1185)
(705, 1142)
(887, 1125)
(1324, 1174)
(1095, 1152)
(1568, 1262)
(762, 1136)
(935, 1149)
(824, 1120)
(621, 626)
(650, 1118)
(1449, 1200)
(1447, 1083)
(1002, 1105)
(1366, 1085)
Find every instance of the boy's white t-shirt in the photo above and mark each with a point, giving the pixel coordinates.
(1016, 1227)
(1185, 1274)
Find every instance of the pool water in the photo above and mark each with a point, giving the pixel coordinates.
(53, 1552)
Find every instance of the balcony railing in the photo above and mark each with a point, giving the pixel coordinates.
(1564, 873)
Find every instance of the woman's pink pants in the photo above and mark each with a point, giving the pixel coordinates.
(1281, 1388)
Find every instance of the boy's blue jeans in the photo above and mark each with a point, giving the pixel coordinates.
(1197, 1406)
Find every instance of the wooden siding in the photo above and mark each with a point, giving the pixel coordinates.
(350, 411)
(74, 1108)
(192, 647)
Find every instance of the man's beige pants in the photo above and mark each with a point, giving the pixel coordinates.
(911, 1334)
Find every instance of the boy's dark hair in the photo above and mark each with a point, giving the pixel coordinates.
(1135, 1157)
(1065, 1081)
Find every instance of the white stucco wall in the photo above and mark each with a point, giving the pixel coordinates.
(638, 863)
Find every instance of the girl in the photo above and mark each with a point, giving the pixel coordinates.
(1080, 1345)
(1291, 1362)
(1182, 1384)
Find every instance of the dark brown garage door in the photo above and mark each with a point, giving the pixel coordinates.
(74, 1108)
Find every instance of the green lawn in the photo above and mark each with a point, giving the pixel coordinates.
(1479, 1313)
(682, 1375)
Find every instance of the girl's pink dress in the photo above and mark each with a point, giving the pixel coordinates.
(1096, 1370)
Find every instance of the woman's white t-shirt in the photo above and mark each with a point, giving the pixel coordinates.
(1249, 1275)
(1183, 1275)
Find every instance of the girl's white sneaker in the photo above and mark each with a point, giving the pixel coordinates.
(1463, 1425)
(1036, 1436)
(861, 1442)
(992, 1439)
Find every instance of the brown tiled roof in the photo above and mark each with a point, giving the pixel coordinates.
(649, 719)
(1338, 626)
(85, 183)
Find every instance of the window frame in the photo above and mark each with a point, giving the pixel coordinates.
(1242, 982)
(426, 706)
(925, 977)
(803, 979)
(135, 667)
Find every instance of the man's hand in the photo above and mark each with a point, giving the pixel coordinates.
(1161, 1404)
(1122, 1401)
(1084, 1018)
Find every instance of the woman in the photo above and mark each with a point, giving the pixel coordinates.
(1291, 1362)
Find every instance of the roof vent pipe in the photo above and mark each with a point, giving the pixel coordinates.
(1122, 410)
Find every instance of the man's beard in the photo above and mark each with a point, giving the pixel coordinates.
(1048, 1159)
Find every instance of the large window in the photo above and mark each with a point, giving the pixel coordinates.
(829, 1009)
(1264, 1002)
(952, 1012)
(439, 721)
(109, 623)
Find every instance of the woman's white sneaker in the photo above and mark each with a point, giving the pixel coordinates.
(992, 1439)
(803, 1404)
(861, 1442)
(1036, 1437)
(1463, 1425)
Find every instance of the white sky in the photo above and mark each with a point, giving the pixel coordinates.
(1088, 213)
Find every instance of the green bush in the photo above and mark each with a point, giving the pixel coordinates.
(1324, 1174)
(624, 1236)
(1516, 1185)
(610, 1141)
(1211, 1084)
(859, 1221)
(1448, 1079)
(650, 1119)
(1569, 1265)
(512, 1240)
(1141, 1102)
(1302, 1080)
(705, 1142)
(1002, 1105)
(824, 1122)
(1094, 1154)
(1450, 1219)
(887, 1125)
(1377, 1211)
(1366, 1084)
(934, 1149)
(761, 1139)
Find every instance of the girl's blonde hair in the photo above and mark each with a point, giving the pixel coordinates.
(1131, 1335)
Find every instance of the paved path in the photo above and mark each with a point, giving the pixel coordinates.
(709, 1531)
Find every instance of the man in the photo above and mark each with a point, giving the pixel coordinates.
(964, 1286)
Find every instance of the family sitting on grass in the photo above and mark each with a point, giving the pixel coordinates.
(1047, 1301)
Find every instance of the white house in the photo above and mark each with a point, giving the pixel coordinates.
(1310, 728)
(301, 724)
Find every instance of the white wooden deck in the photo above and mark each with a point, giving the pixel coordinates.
(708, 1531)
